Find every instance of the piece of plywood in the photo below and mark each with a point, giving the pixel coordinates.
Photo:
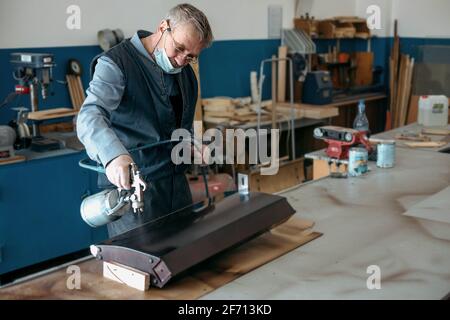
(426, 144)
(434, 214)
(12, 160)
(289, 174)
(413, 109)
(204, 279)
(364, 66)
(436, 131)
(52, 114)
(310, 111)
(282, 54)
(126, 275)
(76, 91)
(274, 92)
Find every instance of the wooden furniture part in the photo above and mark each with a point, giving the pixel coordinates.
(364, 66)
(76, 91)
(426, 144)
(274, 92)
(52, 114)
(282, 54)
(289, 174)
(308, 111)
(126, 275)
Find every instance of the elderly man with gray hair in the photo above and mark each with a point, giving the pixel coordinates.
(141, 91)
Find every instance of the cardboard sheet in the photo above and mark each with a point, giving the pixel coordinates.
(199, 281)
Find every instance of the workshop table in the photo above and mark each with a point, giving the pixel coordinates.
(363, 225)
(415, 128)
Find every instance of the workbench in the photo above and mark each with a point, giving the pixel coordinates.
(416, 128)
(363, 225)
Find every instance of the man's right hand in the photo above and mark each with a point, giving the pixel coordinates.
(118, 171)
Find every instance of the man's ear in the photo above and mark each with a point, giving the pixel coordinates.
(164, 25)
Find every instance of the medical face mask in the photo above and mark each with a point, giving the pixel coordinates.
(163, 61)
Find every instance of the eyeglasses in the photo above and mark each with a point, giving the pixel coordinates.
(179, 49)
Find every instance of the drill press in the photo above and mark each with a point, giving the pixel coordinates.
(34, 70)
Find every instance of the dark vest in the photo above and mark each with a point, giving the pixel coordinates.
(145, 113)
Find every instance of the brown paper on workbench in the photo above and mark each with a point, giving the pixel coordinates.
(201, 280)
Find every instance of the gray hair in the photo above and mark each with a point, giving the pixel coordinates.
(188, 14)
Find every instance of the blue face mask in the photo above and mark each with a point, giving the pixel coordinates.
(163, 61)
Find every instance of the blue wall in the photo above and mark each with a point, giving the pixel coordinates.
(224, 71)
(224, 68)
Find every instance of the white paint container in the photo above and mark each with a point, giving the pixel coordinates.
(386, 154)
(357, 161)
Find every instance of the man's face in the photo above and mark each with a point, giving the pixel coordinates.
(182, 45)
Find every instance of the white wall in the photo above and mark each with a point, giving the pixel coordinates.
(416, 18)
(422, 18)
(42, 23)
(322, 9)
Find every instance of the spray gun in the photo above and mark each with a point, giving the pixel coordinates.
(110, 204)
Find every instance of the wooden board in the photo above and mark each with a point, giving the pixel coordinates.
(426, 144)
(76, 91)
(126, 275)
(218, 103)
(289, 174)
(435, 131)
(311, 111)
(274, 92)
(282, 54)
(52, 114)
(12, 160)
(364, 66)
(198, 105)
(413, 109)
(204, 279)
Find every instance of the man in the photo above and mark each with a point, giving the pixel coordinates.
(142, 90)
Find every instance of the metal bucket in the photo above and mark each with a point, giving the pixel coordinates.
(386, 154)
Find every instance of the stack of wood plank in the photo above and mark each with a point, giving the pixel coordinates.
(76, 90)
(401, 68)
(238, 111)
(232, 111)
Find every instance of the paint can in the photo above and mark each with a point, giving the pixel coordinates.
(357, 161)
(386, 154)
